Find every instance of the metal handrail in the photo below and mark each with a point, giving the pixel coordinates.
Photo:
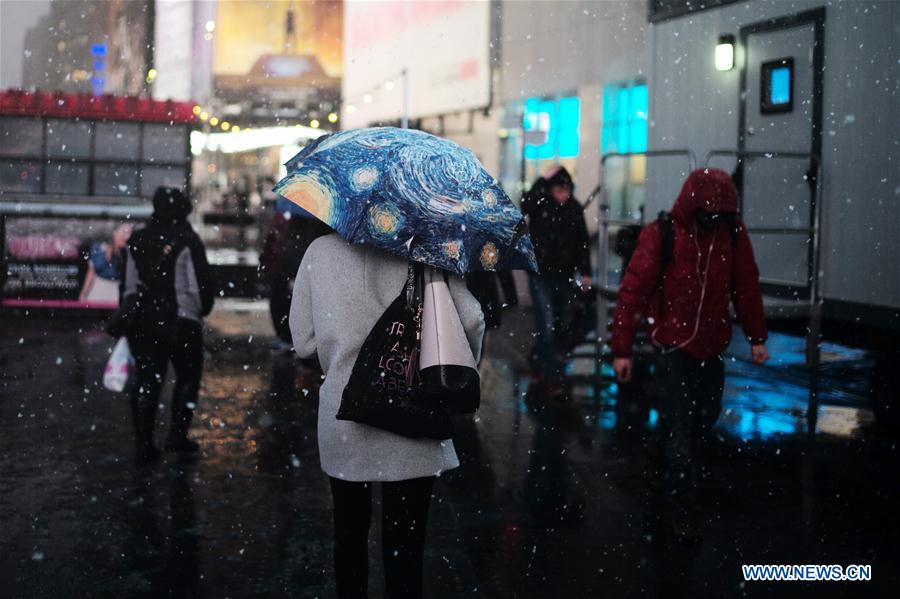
(813, 229)
(606, 294)
(815, 312)
(692, 158)
(692, 162)
(814, 328)
(780, 230)
(615, 222)
(760, 154)
(600, 190)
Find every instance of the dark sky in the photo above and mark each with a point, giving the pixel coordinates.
(16, 17)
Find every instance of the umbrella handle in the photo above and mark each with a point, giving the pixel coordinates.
(519, 232)
(415, 284)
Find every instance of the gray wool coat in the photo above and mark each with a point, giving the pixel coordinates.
(340, 292)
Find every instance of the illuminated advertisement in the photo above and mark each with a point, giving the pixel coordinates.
(288, 50)
(442, 45)
(63, 262)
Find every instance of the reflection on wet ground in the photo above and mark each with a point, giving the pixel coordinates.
(550, 501)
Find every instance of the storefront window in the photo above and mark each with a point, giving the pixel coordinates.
(569, 122)
(552, 128)
(624, 118)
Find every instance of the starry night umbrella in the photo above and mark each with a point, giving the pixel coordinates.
(412, 194)
(284, 205)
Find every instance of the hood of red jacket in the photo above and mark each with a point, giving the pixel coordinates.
(708, 189)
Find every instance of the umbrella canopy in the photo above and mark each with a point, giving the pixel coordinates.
(284, 205)
(412, 194)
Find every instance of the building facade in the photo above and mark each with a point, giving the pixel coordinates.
(95, 46)
(546, 79)
(573, 84)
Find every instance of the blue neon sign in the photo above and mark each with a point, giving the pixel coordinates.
(625, 109)
(559, 120)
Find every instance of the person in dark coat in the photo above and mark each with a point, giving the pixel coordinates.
(711, 266)
(166, 265)
(271, 267)
(561, 244)
(287, 240)
(483, 286)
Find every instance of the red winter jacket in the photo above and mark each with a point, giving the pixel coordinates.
(706, 271)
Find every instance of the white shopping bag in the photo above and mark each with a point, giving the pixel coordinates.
(118, 367)
(447, 368)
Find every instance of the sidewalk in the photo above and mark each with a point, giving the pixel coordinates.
(549, 502)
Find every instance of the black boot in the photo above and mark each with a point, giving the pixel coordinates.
(144, 414)
(181, 444)
(182, 413)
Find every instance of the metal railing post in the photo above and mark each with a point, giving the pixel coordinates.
(814, 334)
(606, 294)
(814, 325)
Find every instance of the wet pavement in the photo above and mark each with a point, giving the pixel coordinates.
(551, 499)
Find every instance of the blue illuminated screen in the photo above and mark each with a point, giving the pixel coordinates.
(624, 115)
(560, 120)
(780, 86)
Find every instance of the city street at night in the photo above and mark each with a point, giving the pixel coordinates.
(437, 299)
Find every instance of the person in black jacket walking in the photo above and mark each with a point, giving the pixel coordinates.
(560, 239)
(166, 266)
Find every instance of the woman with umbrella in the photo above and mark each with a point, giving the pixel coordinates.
(392, 196)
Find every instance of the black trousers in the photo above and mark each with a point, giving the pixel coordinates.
(404, 519)
(689, 403)
(152, 354)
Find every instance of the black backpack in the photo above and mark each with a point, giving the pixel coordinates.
(627, 238)
(385, 386)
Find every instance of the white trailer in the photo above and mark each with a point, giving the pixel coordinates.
(806, 119)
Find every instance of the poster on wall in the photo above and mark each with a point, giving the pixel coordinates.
(443, 45)
(63, 262)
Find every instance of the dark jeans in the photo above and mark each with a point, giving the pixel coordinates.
(689, 402)
(281, 289)
(152, 354)
(404, 518)
(553, 298)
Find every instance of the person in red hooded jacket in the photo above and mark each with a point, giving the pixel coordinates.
(711, 266)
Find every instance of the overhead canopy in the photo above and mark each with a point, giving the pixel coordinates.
(246, 140)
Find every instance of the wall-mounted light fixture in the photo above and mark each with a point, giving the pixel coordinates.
(725, 52)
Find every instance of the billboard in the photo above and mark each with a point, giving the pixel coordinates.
(279, 52)
(443, 45)
(173, 49)
(128, 40)
(60, 262)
